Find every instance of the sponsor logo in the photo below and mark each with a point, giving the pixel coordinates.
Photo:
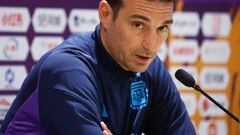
(207, 108)
(190, 102)
(185, 24)
(9, 77)
(49, 20)
(216, 24)
(214, 78)
(14, 19)
(183, 51)
(190, 69)
(162, 53)
(81, 20)
(213, 127)
(13, 48)
(41, 45)
(12, 77)
(5, 103)
(215, 52)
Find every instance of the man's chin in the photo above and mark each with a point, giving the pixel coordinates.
(139, 68)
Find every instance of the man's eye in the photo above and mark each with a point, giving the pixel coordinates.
(137, 25)
(164, 28)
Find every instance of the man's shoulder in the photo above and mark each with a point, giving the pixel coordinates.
(66, 66)
(68, 56)
(84, 42)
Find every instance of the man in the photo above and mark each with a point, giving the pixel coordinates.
(105, 82)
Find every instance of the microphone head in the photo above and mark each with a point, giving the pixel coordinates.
(185, 78)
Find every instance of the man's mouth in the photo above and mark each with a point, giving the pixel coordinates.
(143, 59)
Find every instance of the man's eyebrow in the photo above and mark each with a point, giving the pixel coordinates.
(138, 16)
(168, 22)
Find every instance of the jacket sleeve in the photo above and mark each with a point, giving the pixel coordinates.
(167, 115)
(68, 98)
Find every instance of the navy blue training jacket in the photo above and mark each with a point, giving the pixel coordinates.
(78, 84)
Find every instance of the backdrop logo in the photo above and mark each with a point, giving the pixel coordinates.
(214, 78)
(13, 48)
(185, 24)
(5, 103)
(213, 127)
(207, 108)
(183, 51)
(78, 21)
(216, 24)
(215, 51)
(205, 104)
(41, 45)
(81, 20)
(49, 20)
(14, 19)
(10, 49)
(11, 77)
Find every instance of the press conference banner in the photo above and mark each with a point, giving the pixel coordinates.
(204, 40)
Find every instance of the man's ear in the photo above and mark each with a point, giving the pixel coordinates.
(105, 14)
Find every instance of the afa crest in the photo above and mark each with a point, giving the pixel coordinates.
(139, 95)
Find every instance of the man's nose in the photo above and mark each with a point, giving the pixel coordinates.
(151, 42)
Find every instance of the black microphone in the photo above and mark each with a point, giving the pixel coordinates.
(185, 78)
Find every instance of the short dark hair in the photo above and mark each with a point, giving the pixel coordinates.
(117, 4)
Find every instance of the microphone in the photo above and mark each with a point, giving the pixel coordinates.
(186, 79)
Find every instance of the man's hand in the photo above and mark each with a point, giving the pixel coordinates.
(105, 129)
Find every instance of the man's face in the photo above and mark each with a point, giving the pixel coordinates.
(138, 32)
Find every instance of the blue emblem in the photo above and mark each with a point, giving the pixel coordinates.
(9, 76)
(104, 112)
(139, 94)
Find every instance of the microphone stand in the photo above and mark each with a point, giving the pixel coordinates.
(196, 87)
